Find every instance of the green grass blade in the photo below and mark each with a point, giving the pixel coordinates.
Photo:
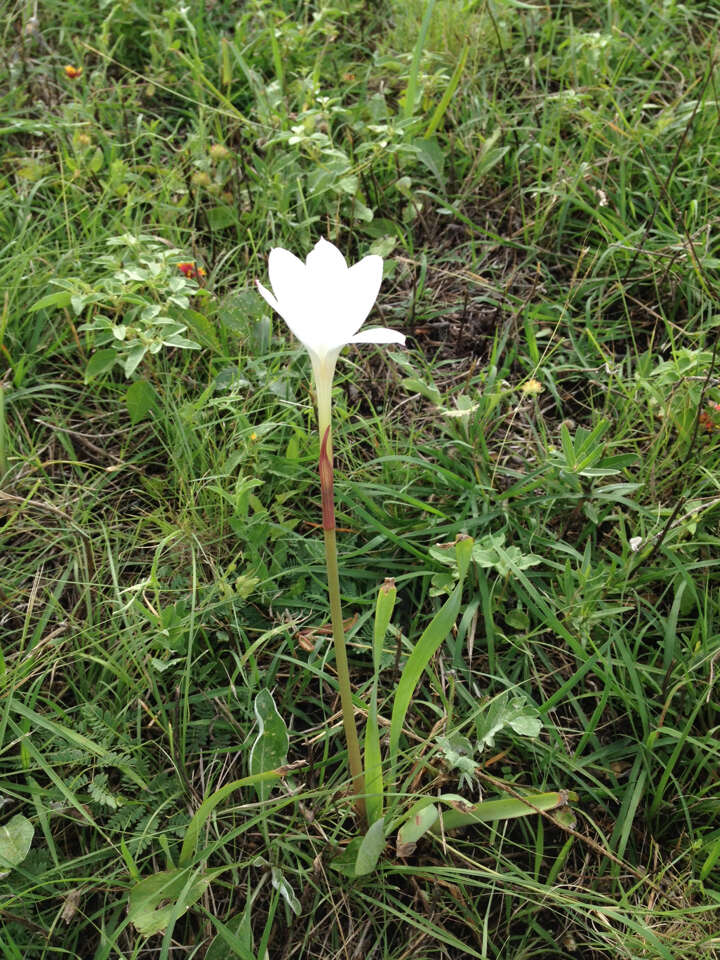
(440, 109)
(438, 628)
(411, 91)
(509, 808)
(208, 805)
(373, 757)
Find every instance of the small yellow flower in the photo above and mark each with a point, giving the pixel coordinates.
(83, 140)
(253, 436)
(72, 73)
(532, 387)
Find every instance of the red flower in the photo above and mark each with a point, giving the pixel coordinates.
(72, 73)
(191, 271)
(707, 421)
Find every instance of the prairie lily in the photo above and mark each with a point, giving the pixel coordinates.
(325, 302)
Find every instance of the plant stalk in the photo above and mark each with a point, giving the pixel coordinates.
(323, 383)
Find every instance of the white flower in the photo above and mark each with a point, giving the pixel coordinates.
(325, 302)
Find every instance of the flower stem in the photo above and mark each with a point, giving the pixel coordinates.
(324, 386)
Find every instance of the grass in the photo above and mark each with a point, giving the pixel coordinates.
(551, 251)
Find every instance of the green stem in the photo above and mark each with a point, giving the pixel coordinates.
(323, 383)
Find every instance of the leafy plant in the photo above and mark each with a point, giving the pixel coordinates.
(139, 303)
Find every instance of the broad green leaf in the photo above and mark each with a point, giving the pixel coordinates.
(427, 390)
(99, 363)
(15, 839)
(421, 817)
(148, 907)
(387, 595)
(371, 846)
(140, 399)
(176, 340)
(271, 745)
(202, 327)
(463, 553)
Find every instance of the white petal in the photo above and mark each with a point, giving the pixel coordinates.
(378, 335)
(362, 287)
(287, 276)
(325, 263)
(267, 296)
(292, 316)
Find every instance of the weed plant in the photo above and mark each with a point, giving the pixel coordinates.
(542, 183)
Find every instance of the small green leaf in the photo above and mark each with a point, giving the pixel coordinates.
(140, 399)
(148, 907)
(371, 846)
(133, 359)
(246, 584)
(458, 752)
(526, 720)
(431, 154)
(271, 745)
(517, 714)
(233, 939)
(346, 861)
(97, 161)
(219, 218)
(279, 882)
(59, 300)
(463, 553)
(15, 839)
(99, 363)
(517, 619)
(421, 817)
(78, 303)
